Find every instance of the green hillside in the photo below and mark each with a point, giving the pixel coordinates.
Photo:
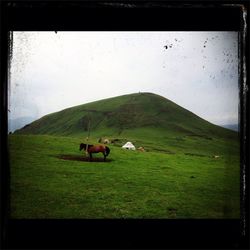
(190, 168)
(134, 114)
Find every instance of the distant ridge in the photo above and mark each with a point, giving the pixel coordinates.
(14, 124)
(142, 114)
(234, 127)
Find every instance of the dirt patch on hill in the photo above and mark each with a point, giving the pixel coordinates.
(200, 155)
(164, 151)
(81, 158)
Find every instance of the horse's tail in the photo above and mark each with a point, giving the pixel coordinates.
(107, 150)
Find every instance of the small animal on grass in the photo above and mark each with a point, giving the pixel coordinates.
(216, 156)
(141, 149)
(105, 140)
(92, 149)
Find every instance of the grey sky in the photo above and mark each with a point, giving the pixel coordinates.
(198, 70)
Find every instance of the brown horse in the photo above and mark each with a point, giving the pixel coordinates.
(95, 149)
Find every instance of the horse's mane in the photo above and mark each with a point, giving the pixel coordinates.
(86, 145)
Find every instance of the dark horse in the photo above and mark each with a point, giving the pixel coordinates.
(95, 149)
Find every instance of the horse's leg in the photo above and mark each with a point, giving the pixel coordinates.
(90, 156)
(104, 156)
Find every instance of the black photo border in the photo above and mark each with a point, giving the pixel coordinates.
(125, 16)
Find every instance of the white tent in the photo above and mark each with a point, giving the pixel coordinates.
(129, 145)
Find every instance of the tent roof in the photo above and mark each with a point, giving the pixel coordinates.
(128, 145)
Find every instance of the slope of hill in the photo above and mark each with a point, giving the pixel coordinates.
(140, 115)
(14, 124)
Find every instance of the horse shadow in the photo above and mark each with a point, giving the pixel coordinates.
(82, 158)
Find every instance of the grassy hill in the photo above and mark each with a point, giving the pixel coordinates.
(178, 175)
(134, 114)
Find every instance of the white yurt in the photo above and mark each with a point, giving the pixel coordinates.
(129, 145)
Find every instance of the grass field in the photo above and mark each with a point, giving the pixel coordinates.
(177, 177)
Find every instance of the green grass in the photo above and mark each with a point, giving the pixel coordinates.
(177, 177)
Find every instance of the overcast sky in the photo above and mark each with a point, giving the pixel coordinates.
(197, 70)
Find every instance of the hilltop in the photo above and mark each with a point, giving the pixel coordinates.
(140, 115)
